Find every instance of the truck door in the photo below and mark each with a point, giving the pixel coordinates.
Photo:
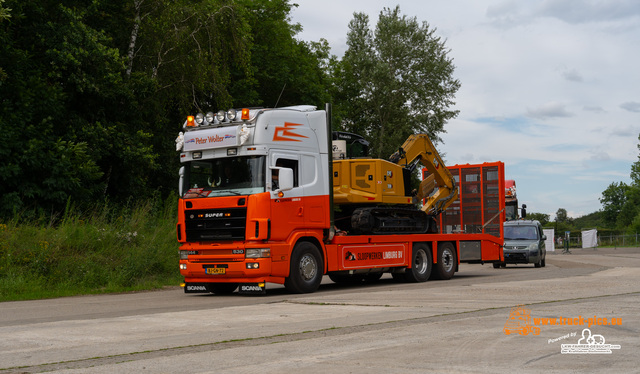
(287, 212)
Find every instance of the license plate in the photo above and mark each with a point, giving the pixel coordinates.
(215, 270)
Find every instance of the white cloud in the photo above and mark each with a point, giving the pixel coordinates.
(632, 106)
(584, 11)
(549, 110)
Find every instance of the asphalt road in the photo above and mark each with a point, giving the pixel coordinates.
(438, 326)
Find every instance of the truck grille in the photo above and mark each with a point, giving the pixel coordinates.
(215, 224)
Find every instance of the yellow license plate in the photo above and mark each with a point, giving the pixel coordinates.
(215, 270)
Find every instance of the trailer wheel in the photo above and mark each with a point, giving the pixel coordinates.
(223, 288)
(421, 264)
(446, 265)
(306, 269)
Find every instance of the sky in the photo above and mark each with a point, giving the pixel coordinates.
(549, 87)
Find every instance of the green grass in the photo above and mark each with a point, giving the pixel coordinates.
(108, 249)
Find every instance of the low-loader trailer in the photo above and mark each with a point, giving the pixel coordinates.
(273, 196)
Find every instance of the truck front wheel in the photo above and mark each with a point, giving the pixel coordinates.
(421, 264)
(306, 269)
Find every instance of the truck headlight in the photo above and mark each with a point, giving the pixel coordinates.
(210, 117)
(199, 118)
(258, 252)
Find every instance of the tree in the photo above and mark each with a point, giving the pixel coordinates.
(283, 70)
(540, 217)
(394, 81)
(92, 93)
(612, 200)
(561, 215)
(635, 170)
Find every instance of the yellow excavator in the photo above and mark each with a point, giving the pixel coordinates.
(374, 196)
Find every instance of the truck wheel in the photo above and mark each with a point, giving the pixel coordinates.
(421, 264)
(306, 269)
(446, 264)
(496, 265)
(223, 288)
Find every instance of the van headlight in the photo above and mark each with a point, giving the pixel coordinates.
(533, 249)
(258, 252)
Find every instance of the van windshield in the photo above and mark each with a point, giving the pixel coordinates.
(520, 233)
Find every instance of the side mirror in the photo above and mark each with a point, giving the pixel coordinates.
(285, 179)
(524, 210)
(544, 237)
(181, 181)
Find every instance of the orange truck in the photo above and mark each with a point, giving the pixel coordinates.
(274, 196)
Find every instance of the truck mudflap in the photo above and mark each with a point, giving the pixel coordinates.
(196, 288)
(252, 288)
(256, 288)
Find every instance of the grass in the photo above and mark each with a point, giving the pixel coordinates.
(108, 249)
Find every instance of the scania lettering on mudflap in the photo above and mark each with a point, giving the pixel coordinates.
(196, 288)
(252, 289)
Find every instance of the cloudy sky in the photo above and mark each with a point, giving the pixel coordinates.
(549, 87)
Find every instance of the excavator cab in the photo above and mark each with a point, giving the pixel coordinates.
(373, 196)
(348, 145)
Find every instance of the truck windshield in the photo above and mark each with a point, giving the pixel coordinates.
(224, 177)
(520, 233)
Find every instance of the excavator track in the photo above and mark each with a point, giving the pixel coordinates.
(392, 219)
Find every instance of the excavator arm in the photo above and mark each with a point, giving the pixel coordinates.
(418, 148)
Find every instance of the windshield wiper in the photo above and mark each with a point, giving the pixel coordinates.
(229, 191)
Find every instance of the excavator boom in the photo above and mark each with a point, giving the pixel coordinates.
(418, 148)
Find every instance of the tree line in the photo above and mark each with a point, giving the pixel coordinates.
(93, 92)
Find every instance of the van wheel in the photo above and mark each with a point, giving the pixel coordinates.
(544, 261)
(306, 269)
(421, 264)
(446, 264)
(539, 263)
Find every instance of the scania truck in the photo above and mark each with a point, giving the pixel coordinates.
(272, 195)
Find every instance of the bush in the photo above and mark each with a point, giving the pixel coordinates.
(105, 249)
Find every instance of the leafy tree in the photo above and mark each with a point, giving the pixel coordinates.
(394, 81)
(635, 169)
(93, 92)
(55, 70)
(590, 220)
(631, 207)
(613, 199)
(4, 12)
(283, 70)
(561, 215)
(540, 217)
